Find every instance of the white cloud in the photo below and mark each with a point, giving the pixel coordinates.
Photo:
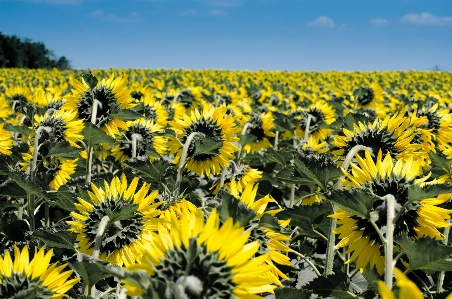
(426, 19)
(132, 18)
(322, 22)
(216, 13)
(379, 22)
(189, 13)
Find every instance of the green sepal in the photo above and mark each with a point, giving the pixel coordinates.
(90, 79)
(232, 207)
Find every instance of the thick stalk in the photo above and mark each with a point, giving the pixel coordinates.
(89, 159)
(223, 176)
(34, 162)
(239, 155)
(98, 242)
(135, 138)
(389, 244)
(292, 196)
(331, 236)
(275, 145)
(183, 158)
(308, 124)
(439, 284)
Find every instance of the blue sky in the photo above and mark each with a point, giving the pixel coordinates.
(318, 35)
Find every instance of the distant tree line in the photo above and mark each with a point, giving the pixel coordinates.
(23, 53)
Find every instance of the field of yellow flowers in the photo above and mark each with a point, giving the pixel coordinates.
(129, 183)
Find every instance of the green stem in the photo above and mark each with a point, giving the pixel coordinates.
(308, 261)
(239, 154)
(439, 284)
(292, 196)
(275, 145)
(98, 242)
(223, 176)
(331, 236)
(89, 159)
(47, 214)
(135, 138)
(389, 245)
(183, 158)
(308, 124)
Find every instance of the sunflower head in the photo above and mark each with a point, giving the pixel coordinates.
(124, 237)
(368, 96)
(34, 278)
(200, 260)
(212, 125)
(259, 127)
(6, 141)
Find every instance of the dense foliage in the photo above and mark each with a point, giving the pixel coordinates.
(225, 184)
(23, 53)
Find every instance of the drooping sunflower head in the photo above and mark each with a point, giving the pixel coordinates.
(108, 97)
(437, 121)
(381, 178)
(369, 96)
(236, 178)
(393, 135)
(60, 125)
(123, 239)
(155, 111)
(140, 139)
(34, 278)
(212, 124)
(259, 127)
(6, 141)
(200, 259)
(19, 97)
(319, 115)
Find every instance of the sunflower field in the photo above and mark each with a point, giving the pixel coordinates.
(184, 184)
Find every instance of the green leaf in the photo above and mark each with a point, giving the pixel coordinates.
(425, 253)
(356, 202)
(126, 115)
(91, 273)
(29, 187)
(307, 218)
(439, 160)
(291, 293)
(372, 278)
(153, 173)
(247, 139)
(12, 189)
(232, 207)
(64, 199)
(94, 135)
(304, 170)
(416, 193)
(64, 150)
(26, 131)
(90, 79)
(63, 239)
(280, 157)
(270, 222)
(281, 122)
(265, 187)
(206, 146)
(335, 285)
(126, 212)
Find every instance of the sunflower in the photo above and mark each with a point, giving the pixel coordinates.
(236, 178)
(381, 178)
(322, 115)
(123, 239)
(62, 125)
(272, 242)
(213, 124)
(65, 168)
(407, 288)
(368, 97)
(259, 126)
(175, 111)
(19, 97)
(392, 135)
(438, 122)
(204, 258)
(6, 141)
(143, 132)
(111, 96)
(23, 277)
(155, 111)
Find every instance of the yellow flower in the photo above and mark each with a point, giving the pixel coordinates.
(211, 123)
(6, 141)
(259, 126)
(232, 270)
(123, 239)
(36, 275)
(407, 288)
